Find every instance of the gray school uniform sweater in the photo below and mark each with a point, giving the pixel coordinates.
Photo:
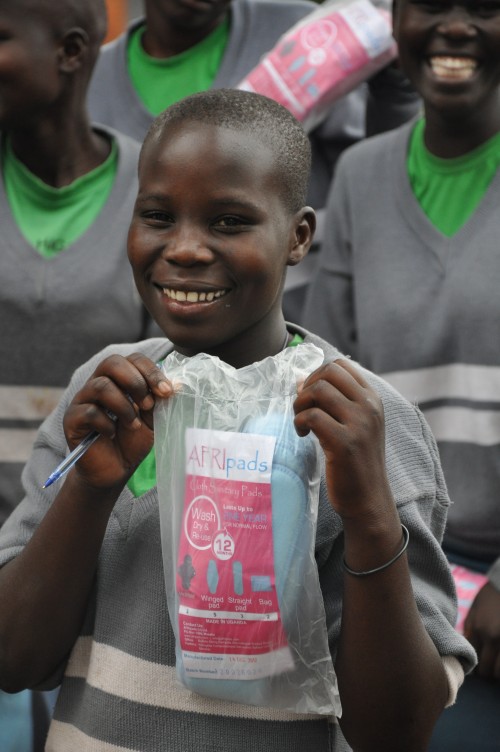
(119, 690)
(422, 310)
(57, 312)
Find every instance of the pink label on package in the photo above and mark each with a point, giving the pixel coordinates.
(468, 584)
(316, 59)
(229, 620)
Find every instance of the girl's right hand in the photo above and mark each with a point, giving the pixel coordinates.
(128, 389)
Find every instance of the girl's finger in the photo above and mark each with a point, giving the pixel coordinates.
(343, 375)
(138, 377)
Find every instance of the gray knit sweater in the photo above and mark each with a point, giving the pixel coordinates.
(57, 312)
(422, 310)
(119, 689)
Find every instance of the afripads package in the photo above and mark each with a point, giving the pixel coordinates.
(238, 492)
(323, 57)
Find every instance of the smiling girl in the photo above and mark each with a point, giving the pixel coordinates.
(408, 284)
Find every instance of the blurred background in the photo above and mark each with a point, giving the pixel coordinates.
(119, 12)
(134, 7)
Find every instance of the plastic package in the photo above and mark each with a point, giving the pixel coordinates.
(323, 57)
(238, 493)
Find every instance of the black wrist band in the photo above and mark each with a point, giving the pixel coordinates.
(406, 536)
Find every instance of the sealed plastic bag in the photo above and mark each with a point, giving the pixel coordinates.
(323, 57)
(238, 493)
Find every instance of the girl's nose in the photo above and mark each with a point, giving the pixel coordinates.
(187, 247)
(457, 23)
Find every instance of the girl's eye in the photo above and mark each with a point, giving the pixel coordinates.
(155, 215)
(481, 8)
(487, 8)
(429, 6)
(230, 222)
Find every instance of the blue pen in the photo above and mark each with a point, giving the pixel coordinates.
(72, 458)
(77, 452)
(80, 450)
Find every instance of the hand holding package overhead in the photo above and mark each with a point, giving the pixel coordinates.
(323, 57)
(238, 492)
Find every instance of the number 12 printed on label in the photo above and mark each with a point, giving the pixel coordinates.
(229, 618)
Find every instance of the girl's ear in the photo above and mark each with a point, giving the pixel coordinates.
(305, 226)
(73, 50)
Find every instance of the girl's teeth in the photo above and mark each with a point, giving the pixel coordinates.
(451, 67)
(193, 297)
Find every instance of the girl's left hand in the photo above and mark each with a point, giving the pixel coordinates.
(347, 416)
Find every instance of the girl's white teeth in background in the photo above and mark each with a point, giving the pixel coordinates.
(193, 297)
(453, 67)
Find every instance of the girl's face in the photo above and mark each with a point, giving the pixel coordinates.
(450, 50)
(210, 240)
(188, 15)
(29, 66)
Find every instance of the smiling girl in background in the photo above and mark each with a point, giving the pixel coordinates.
(408, 285)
